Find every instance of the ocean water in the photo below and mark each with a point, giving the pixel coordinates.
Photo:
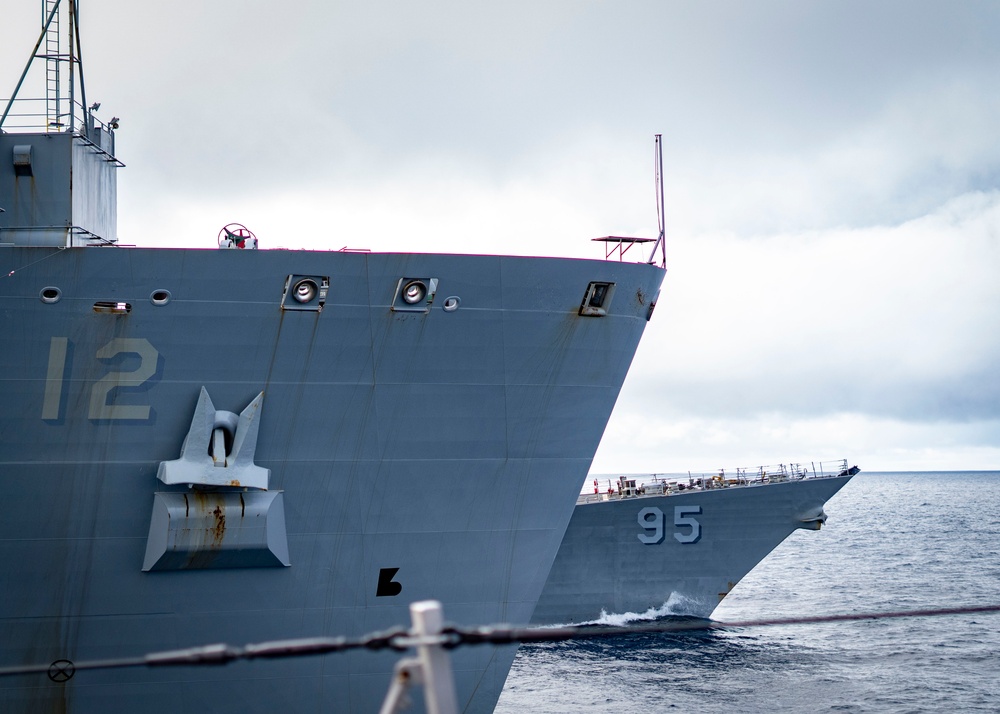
(893, 541)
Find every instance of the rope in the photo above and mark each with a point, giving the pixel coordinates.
(56, 252)
(401, 639)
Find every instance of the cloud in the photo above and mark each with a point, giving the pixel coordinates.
(655, 444)
(832, 177)
(883, 341)
(872, 310)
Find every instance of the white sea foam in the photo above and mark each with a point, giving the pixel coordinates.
(676, 605)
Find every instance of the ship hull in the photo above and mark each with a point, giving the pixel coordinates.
(420, 454)
(689, 550)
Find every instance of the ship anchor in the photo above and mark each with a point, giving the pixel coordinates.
(219, 449)
(231, 519)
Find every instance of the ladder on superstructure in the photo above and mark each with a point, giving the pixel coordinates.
(53, 62)
(60, 107)
(60, 112)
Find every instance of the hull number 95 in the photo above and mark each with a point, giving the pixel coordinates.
(653, 522)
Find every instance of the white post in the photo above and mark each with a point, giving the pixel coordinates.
(439, 684)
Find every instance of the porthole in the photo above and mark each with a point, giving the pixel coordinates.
(159, 297)
(451, 303)
(50, 295)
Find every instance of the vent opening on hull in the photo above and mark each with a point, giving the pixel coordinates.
(305, 292)
(415, 295)
(111, 307)
(597, 299)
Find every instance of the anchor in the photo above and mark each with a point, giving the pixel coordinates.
(219, 448)
(228, 519)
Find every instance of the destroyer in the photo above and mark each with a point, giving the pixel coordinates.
(243, 445)
(678, 546)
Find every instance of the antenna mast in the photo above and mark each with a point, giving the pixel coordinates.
(660, 220)
(60, 109)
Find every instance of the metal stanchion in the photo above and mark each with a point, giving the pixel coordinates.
(430, 668)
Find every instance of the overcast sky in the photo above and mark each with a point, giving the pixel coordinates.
(832, 177)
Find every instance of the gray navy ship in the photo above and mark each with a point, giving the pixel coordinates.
(678, 546)
(243, 445)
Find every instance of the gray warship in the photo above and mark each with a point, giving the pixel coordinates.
(242, 445)
(678, 546)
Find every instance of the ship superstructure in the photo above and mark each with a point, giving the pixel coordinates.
(247, 445)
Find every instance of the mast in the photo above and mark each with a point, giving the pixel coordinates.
(46, 24)
(60, 109)
(620, 244)
(660, 218)
(60, 188)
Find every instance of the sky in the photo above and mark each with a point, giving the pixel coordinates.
(831, 170)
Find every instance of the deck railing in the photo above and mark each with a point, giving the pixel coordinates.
(633, 485)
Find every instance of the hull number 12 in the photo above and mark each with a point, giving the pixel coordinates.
(104, 392)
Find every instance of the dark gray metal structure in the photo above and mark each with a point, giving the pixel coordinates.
(679, 551)
(242, 445)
